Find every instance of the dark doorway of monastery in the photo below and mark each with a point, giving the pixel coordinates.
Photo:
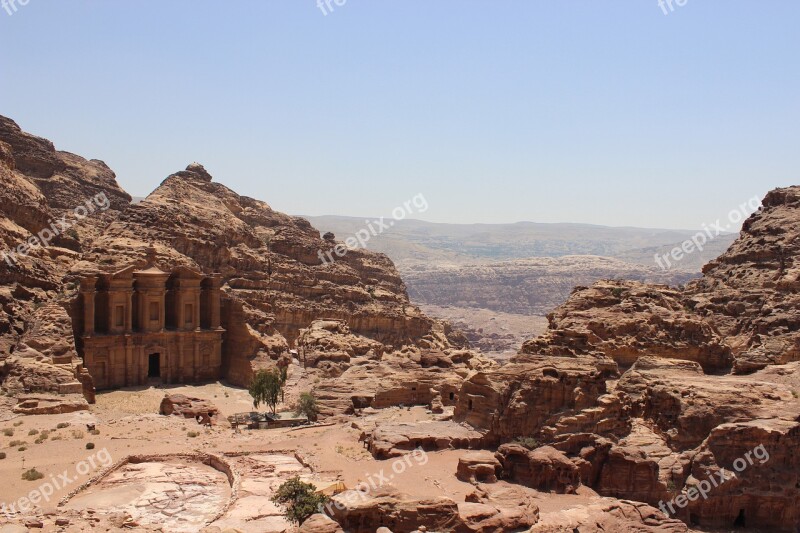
(154, 366)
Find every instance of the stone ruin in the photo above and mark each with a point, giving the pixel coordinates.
(143, 325)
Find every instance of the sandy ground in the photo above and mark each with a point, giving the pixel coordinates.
(128, 423)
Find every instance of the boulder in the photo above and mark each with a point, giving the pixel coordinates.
(527, 399)
(361, 512)
(478, 467)
(394, 440)
(498, 508)
(320, 523)
(619, 516)
(545, 469)
(205, 412)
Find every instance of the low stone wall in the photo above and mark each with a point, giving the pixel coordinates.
(216, 462)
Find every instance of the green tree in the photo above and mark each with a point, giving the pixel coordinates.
(300, 499)
(308, 406)
(266, 388)
(284, 370)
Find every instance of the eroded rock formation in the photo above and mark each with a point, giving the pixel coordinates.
(532, 398)
(275, 283)
(625, 320)
(750, 292)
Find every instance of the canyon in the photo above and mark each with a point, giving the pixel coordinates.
(615, 415)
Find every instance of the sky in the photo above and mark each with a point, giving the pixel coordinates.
(602, 112)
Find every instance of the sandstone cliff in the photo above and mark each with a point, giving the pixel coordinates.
(690, 423)
(626, 320)
(52, 204)
(750, 293)
(743, 312)
(275, 283)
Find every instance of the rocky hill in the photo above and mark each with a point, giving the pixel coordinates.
(678, 406)
(742, 313)
(51, 204)
(751, 292)
(688, 414)
(413, 242)
(275, 281)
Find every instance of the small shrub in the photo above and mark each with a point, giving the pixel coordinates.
(301, 500)
(8, 432)
(32, 475)
(18, 423)
(33, 432)
(94, 432)
(62, 425)
(617, 291)
(16, 443)
(90, 445)
(307, 406)
(77, 434)
(22, 448)
(193, 434)
(794, 393)
(2, 455)
(528, 442)
(58, 437)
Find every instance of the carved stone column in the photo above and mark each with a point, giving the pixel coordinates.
(88, 293)
(215, 300)
(196, 309)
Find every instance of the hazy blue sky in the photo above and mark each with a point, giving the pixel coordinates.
(606, 112)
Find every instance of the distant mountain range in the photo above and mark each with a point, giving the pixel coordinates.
(517, 271)
(415, 241)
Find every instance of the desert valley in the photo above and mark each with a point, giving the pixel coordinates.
(134, 337)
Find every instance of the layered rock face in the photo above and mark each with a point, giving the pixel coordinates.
(686, 405)
(397, 440)
(534, 398)
(626, 320)
(65, 179)
(276, 282)
(617, 516)
(677, 434)
(51, 205)
(700, 441)
(750, 293)
(410, 377)
(487, 510)
(743, 312)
